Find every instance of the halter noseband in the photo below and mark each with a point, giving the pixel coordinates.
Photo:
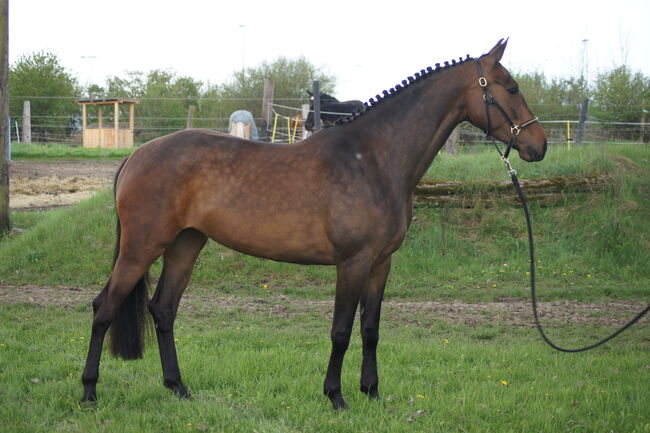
(489, 100)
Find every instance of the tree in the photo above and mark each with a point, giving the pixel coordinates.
(558, 99)
(40, 78)
(165, 99)
(621, 95)
(292, 79)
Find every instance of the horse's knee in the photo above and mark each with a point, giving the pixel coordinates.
(340, 339)
(370, 336)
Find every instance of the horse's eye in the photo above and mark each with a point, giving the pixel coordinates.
(514, 90)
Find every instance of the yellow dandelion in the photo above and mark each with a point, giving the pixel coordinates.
(494, 285)
(588, 275)
(420, 396)
(445, 341)
(189, 424)
(266, 286)
(176, 340)
(504, 383)
(2, 345)
(72, 340)
(82, 338)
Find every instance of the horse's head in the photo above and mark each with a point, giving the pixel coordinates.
(495, 104)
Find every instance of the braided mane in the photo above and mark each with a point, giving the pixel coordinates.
(423, 74)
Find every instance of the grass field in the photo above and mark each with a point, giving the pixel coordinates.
(57, 151)
(263, 372)
(255, 360)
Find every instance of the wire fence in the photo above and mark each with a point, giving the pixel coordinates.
(68, 128)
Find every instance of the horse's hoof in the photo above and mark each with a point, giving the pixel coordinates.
(339, 403)
(181, 391)
(184, 394)
(371, 391)
(88, 400)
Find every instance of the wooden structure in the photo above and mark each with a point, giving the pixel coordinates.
(110, 136)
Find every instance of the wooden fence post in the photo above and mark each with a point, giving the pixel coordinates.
(190, 117)
(267, 100)
(27, 122)
(451, 145)
(5, 224)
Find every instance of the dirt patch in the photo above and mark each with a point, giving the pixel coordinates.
(422, 314)
(43, 185)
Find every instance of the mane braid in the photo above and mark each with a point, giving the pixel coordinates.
(411, 80)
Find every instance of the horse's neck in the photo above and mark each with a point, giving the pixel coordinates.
(407, 131)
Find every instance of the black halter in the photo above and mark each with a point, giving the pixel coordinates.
(489, 100)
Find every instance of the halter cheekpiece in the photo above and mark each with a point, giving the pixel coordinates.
(489, 100)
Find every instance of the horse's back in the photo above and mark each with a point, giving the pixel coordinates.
(243, 194)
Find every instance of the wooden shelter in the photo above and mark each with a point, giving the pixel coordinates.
(112, 135)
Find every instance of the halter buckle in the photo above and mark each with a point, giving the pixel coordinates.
(515, 129)
(482, 82)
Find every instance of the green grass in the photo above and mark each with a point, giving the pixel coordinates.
(57, 151)
(263, 372)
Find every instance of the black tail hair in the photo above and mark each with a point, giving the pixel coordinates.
(128, 327)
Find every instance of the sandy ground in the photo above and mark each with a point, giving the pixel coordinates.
(43, 185)
(428, 314)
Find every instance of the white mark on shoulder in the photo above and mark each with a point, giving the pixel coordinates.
(359, 156)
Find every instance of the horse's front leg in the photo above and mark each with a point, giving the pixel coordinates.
(370, 314)
(351, 280)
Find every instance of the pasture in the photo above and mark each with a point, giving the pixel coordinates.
(457, 352)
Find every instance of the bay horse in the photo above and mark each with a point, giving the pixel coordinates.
(342, 197)
(331, 110)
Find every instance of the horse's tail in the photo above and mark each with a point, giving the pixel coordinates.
(128, 326)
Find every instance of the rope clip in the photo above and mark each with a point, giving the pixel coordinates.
(511, 171)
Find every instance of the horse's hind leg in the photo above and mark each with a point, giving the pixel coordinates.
(178, 261)
(370, 313)
(128, 270)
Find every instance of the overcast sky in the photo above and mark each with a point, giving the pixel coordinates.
(367, 45)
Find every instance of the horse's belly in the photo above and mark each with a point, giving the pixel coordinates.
(287, 238)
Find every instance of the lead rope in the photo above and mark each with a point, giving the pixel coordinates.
(514, 130)
(520, 193)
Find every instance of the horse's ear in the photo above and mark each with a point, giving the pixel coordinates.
(496, 53)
